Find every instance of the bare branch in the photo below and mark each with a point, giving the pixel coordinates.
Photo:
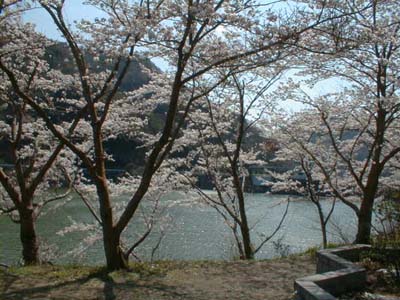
(277, 228)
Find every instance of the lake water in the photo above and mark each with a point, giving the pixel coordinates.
(195, 232)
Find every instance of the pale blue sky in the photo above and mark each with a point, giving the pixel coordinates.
(74, 10)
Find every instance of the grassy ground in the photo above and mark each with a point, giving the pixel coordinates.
(271, 279)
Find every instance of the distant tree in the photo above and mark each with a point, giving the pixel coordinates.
(303, 178)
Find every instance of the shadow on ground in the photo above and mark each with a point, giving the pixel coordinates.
(173, 280)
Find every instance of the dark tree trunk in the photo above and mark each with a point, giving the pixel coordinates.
(364, 221)
(244, 226)
(248, 250)
(115, 257)
(367, 205)
(323, 225)
(29, 240)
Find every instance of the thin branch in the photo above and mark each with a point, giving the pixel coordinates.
(278, 227)
(88, 205)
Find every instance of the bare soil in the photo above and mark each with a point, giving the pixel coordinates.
(272, 279)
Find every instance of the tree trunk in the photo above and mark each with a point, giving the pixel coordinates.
(115, 257)
(324, 237)
(364, 221)
(248, 250)
(365, 213)
(322, 223)
(29, 240)
(371, 187)
(244, 226)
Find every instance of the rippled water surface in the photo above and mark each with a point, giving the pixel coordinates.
(195, 231)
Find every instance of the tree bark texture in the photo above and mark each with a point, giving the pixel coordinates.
(29, 239)
(115, 257)
(364, 220)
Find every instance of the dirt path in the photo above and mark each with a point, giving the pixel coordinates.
(165, 280)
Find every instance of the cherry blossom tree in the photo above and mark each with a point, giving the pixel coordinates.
(339, 141)
(301, 176)
(34, 159)
(221, 152)
(200, 40)
(359, 123)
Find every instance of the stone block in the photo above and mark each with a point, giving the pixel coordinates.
(336, 274)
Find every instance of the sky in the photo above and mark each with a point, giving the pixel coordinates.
(74, 10)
